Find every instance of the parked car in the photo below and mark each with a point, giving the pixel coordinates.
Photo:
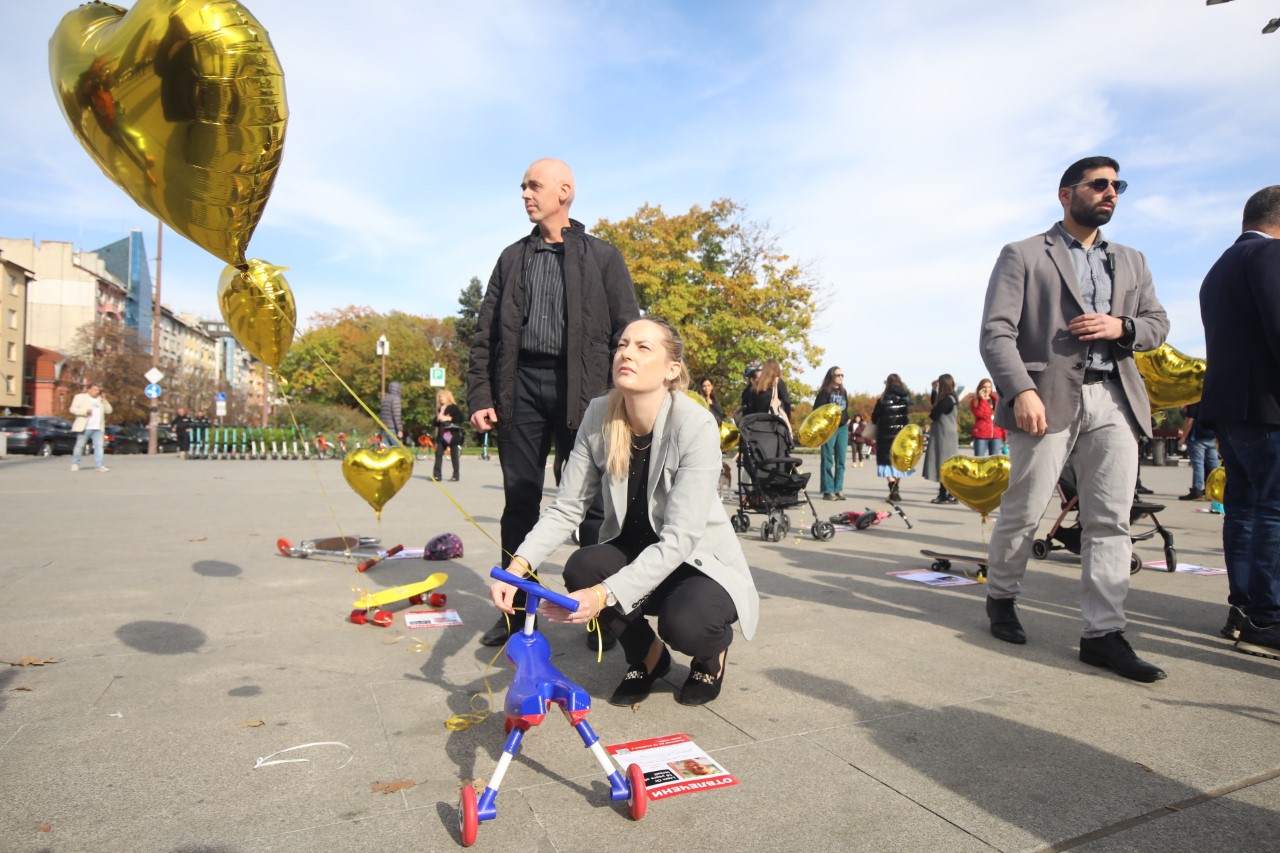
(39, 436)
(122, 439)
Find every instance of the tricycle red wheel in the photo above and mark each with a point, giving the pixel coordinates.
(285, 547)
(638, 802)
(468, 819)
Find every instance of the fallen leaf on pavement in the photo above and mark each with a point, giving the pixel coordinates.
(34, 661)
(21, 689)
(199, 539)
(44, 827)
(392, 787)
(252, 724)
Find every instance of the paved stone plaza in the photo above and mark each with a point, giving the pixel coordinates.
(869, 714)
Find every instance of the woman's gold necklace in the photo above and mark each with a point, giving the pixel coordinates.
(635, 446)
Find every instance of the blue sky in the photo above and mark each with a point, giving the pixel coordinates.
(895, 146)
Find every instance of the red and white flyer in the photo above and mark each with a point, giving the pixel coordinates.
(431, 618)
(672, 765)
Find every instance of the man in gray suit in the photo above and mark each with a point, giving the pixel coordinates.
(1065, 311)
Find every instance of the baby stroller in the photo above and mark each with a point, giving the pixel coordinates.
(1060, 536)
(772, 481)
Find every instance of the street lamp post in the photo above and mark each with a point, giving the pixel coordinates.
(383, 349)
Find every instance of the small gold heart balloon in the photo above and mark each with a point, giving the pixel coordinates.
(907, 448)
(729, 436)
(376, 475)
(821, 424)
(180, 103)
(978, 482)
(697, 398)
(1172, 378)
(1215, 485)
(258, 306)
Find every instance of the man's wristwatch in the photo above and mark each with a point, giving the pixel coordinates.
(609, 598)
(1130, 330)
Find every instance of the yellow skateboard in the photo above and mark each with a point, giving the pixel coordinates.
(416, 593)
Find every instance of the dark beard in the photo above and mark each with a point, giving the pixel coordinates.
(1089, 217)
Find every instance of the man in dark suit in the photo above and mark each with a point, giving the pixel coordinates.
(1240, 308)
(556, 303)
(1065, 311)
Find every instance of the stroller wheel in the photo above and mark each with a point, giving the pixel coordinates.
(1040, 549)
(1171, 558)
(823, 531)
(1135, 563)
(740, 523)
(766, 529)
(786, 525)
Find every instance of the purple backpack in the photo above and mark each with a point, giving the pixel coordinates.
(446, 546)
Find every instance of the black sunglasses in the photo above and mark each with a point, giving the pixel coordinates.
(1099, 185)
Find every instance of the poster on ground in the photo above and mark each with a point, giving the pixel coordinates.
(672, 765)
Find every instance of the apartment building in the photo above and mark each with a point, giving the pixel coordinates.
(15, 280)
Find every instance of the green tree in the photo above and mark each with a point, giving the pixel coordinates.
(724, 282)
(465, 324)
(346, 341)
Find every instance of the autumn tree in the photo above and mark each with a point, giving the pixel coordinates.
(725, 283)
(343, 343)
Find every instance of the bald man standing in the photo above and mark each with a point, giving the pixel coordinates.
(555, 305)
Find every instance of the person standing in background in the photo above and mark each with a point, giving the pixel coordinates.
(91, 410)
(857, 437)
(944, 437)
(834, 449)
(449, 422)
(987, 437)
(1202, 450)
(181, 427)
(391, 415)
(890, 416)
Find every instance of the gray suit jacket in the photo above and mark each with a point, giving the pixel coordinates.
(1032, 295)
(684, 508)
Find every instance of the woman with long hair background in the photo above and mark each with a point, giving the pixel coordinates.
(944, 437)
(835, 448)
(890, 416)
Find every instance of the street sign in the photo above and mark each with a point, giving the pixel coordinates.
(437, 377)
(220, 408)
(153, 375)
(152, 391)
(220, 397)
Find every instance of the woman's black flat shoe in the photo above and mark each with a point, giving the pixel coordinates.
(702, 686)
(638, 681)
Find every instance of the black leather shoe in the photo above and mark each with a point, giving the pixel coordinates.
(1142, 490)
(638, 681)
(1003, 613)
(593, 642)
(702, 685)
(498, 634)
(1235, 621)
(1113, 652)
(1261, 641)
(1193, 495)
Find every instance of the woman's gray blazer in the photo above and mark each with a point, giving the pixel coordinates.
(684, 508)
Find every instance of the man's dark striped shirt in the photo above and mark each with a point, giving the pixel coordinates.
(546, 316)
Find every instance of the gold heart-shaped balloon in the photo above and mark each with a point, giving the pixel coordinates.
(907, 448)
(181, 103)
(729, 436)
(698, 398)
(259, 309)
(1172, 378)
(978, 482)
(376, 475)
(1215, 485)
(821, 424)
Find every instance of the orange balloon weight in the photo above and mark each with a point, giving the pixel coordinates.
(977, 482)
(907, 448)
(180, 103)
(1172, 378)
(821, 424)
(258, 306)
(376, 475)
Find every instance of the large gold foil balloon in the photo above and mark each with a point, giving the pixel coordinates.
(729, 436)
(258, 306)
(1172, 378)
(978, 482)
(376, 475)
(821, 424)
(699, 399)
(181, 103)
(907, 448)
(1215, 485)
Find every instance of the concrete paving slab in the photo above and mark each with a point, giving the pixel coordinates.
(859, 689)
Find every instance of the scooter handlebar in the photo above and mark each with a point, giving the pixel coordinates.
(535, 589)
